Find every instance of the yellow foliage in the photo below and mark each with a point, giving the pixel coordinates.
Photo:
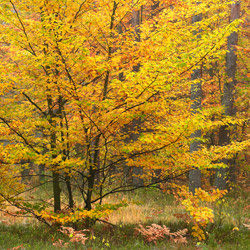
(200, 215)
(70, 94)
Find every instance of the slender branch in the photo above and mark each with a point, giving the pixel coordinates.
(127, 109)
(33, 103)
(137, 154)
(65, 65)
(132, 188)
(23, 28)
(152, 82)
(92, 121)
(104, 221)
(32, 175)
(205, 55)
(105, 90)
(79, 10)
(19, 134)
(18, 205)
(29, 189)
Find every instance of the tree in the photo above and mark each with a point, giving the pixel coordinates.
(224, 174)
(196, 96)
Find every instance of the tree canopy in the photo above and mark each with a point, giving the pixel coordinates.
(73, 103)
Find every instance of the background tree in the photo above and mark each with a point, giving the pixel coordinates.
(196, 96)
(228, 97)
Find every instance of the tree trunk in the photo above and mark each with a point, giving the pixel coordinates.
(223, 175)
(41, 169)
(136, 171)
(68, 184)
(55, 177)
(55, 174)
(56, 192)
(196, 96)
(129, 172)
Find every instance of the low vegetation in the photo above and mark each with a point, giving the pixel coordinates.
(150, 221)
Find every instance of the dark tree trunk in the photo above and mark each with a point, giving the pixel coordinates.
(224, 175)
(196, 96)
(136, 171)
(68, 184)
(41, 169)
(132, 174)
(55, 178)
(56, 192)
(55, 174)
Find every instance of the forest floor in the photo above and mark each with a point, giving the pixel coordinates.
(145, 207)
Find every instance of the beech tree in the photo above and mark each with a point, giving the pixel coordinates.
(64, 104)
(196, 96)
(225, 174)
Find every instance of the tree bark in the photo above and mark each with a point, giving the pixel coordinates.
(196, 96)
(224, 175)
(129, 172)
(136, 171)
(55, 173)
(56, 192)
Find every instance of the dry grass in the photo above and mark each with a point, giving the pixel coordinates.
(137, 211)
(135, 214)
(144, 212)
(10, 217)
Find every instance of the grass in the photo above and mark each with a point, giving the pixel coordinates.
(145, 207)
(38, 237)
